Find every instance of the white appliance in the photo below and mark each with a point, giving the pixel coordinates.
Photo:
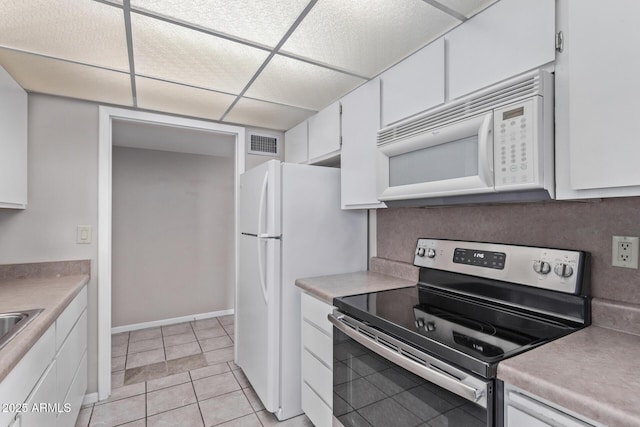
(291, 226)
(493, 145)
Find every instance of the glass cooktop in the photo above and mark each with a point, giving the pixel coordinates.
(473, 333)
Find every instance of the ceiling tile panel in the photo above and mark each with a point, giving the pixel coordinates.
(297, 83)
(173, 98)
(264, 21)
(366, 36)
(178, 54)
(467, 7)
(264, 114)
(82, 31)
(38, 74)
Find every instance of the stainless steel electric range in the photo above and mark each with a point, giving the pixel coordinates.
(428, 355)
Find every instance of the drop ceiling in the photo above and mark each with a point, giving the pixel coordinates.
(265, 63)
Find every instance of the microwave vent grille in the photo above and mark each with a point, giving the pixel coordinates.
(480, 102)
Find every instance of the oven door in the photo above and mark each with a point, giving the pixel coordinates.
(380, 381)
(456, 159)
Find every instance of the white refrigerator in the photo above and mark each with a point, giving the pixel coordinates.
(291, 226)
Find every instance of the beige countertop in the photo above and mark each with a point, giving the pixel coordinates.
(51, 294)
(326, 288)
(593, 372)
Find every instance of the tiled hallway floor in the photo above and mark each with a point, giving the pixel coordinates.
(179, 375)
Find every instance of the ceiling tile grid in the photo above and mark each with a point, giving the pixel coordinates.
(82, 31)
(267, 63)
(253, 112)
(45, 75)
(180, 99)
(365, 37)
(262, 22)
(297, 83)
(182, 55)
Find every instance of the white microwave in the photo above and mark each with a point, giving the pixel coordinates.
(493, 145)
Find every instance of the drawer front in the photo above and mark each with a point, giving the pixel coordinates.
(317, 411)
(317, 376)
(38, 414)
(70, 356)
(68, 318)
(73, 400)
(18, 384)
(317, 342)
(316, 312)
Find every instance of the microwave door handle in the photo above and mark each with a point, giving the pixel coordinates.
(485, 146)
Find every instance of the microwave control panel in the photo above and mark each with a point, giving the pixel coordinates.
(515, 151)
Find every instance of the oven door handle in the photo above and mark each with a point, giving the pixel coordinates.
(441, 379)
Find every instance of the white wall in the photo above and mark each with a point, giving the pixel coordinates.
(173, 241)
(63, 193)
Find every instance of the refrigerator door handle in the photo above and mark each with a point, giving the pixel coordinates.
(263, 194)
(263, 282)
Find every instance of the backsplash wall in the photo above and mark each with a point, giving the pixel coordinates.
(582, 225)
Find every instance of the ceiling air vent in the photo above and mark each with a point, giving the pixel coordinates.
(264, 145)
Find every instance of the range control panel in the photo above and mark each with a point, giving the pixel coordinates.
(553, 269)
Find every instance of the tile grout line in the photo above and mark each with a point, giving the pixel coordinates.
(197, 400)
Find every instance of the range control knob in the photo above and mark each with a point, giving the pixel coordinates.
(563, 270)
(420, 323)
(430, 326)
(431, 253)
(541, 267)
(420, 252)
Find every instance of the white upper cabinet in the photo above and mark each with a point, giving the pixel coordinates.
(296, 140)
(597, 89)
(415, 84)
(324, 133)
(13, 143)
(360, 124)
(510, 37)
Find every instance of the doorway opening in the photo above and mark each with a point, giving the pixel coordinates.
(137, 140)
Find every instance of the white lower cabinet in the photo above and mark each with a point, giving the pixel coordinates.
(523, 409)
(47, 387)
(37, 412)
(317, 361)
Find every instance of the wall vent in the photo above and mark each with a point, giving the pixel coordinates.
(264, 145)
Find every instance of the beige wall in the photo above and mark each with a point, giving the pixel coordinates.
(63, 193)
(586, 225)
(172, 244)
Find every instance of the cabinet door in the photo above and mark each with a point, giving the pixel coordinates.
(414, 85)
(324, 132)
(317, 360)
(13, 143)
(360, 125)
(510, 37)
(296, 148)
(596, 100)
(42, 409)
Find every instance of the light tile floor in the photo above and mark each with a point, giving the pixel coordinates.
(180, 375)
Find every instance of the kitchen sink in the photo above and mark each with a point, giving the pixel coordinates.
(13, 322)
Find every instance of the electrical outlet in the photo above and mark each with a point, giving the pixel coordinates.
(624, 252)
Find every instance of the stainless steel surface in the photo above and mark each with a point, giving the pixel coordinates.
(519, 266)
(12, 323)
(417, 362)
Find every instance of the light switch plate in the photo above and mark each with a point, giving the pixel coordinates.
(83, 234)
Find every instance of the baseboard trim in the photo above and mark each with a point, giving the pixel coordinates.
(165, 322)
(90, 399)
